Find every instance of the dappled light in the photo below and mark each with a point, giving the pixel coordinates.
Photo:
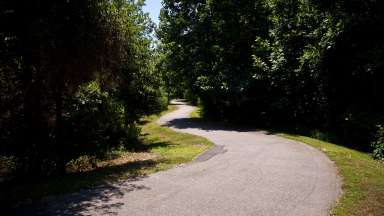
(182, 107)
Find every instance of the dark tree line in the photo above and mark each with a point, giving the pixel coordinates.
(306, 65)
(75, 76)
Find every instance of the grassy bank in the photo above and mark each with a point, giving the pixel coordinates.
(162, 149)
(197, 113)
(171, 147)
(363, 178)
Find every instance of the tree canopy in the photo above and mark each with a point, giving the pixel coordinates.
(303, 64)
(75, 77)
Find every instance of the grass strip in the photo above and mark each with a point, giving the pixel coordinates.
(163, 149)
(363, 178)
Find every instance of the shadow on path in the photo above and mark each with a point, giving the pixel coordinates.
(106, 198)
(195, 123)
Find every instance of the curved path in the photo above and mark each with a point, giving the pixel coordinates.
(246, 173)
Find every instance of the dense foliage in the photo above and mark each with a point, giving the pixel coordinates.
(300, 64)
(378, 144)
(75, 76)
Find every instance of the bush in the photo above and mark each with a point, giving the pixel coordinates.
(8, 165)
(378, 144)
(97, 123)
(358, 130)
(82, 164)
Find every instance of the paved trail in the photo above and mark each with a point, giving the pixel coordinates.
(246, 173)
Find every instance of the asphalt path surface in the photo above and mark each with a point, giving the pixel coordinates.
(247, 172)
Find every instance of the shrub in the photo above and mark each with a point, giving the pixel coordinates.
(8, 165)
(378, 144)
(359, 130)
(82, 164)
(97, 123)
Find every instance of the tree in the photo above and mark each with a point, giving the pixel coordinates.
(303, 64)
(210, 45)
(57, 54)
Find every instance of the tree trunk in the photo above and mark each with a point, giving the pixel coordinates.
(60, 148)
(168, 97)
(34, 140)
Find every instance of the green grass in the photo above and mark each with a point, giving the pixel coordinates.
(197, 113)
(173, 147)
(164, 148)
(363, 178)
